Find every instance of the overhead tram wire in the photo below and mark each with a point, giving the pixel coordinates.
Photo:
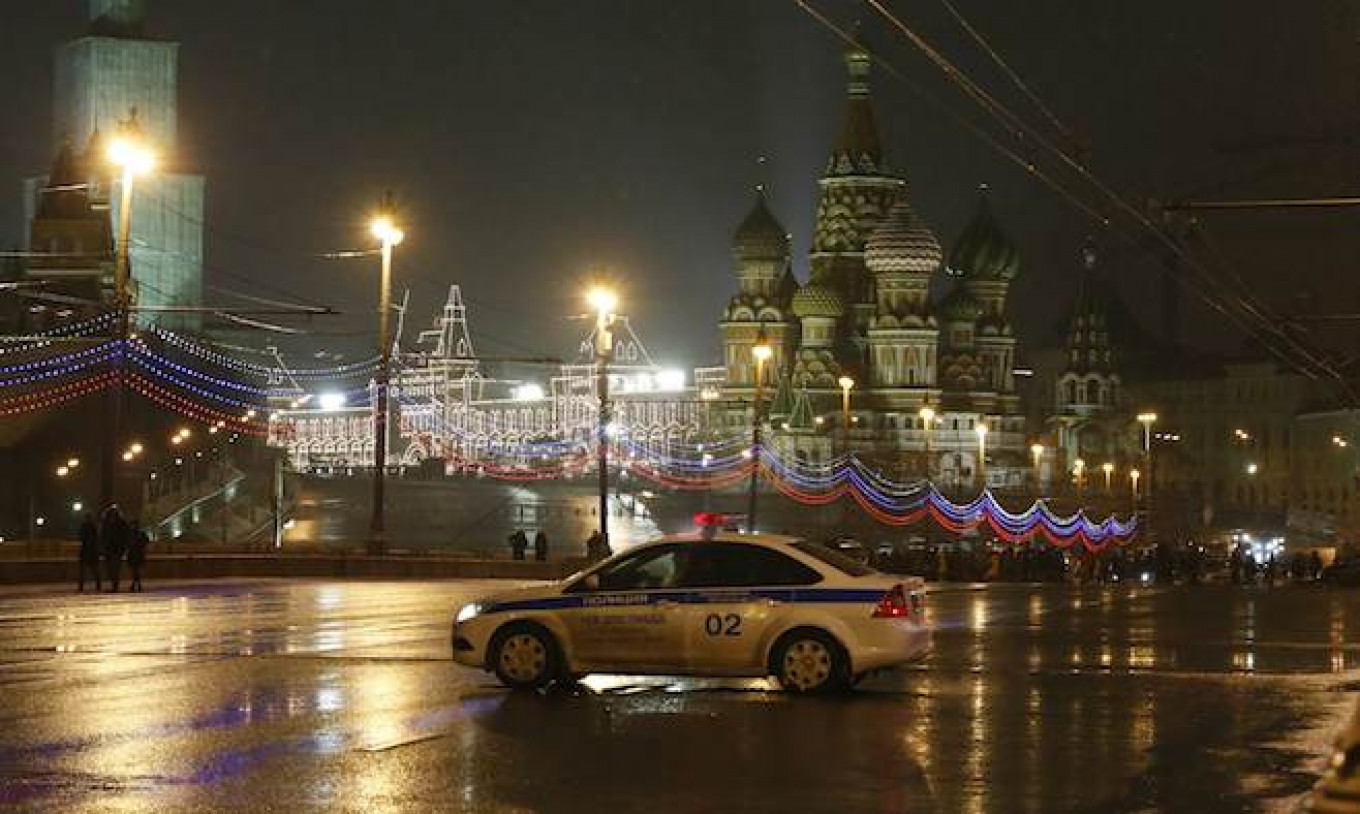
(1030, 167)
(1301, 352)
(990, 139)
(1010, 72)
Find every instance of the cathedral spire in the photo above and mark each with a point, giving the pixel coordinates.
(858, 150)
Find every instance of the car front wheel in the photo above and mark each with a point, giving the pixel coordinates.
(524, 657)
(810, 661)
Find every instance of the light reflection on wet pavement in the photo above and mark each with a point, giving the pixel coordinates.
(276, 695)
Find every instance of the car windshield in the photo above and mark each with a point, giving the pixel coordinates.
(835, 559)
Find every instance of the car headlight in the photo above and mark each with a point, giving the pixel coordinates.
(468, 611)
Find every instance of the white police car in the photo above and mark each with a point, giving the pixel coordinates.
(710, 604)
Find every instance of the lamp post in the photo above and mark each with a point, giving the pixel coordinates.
(847, 384)
(132, 157)
(604, 302)
(1036, 451)
(927, 415)
(981, 430)
(762, 353)
(385, 229)
(1147, 419)
(1133, 479)
(1079, 474)
(1108, 469)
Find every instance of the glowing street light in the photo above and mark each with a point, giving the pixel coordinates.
(762, 352)
(63, 471)
(384, 227)
(1133, 478)
(1108, 469)
(1036, 451)
(981, 430)
(1079, 472)
(847, 384)
(132, 156)
(603, 301)
(73, 463)
(927, 416)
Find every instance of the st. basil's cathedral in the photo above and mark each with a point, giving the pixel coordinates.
(867, 315)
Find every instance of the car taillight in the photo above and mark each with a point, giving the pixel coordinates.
(893, 605)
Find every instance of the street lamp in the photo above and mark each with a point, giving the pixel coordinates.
(384, 228)
(1133, 478)
(762, 352)
(133, 157)
(604, 301)
(927, 415)
(1108, 469)
(1079, 473)
(1036, 451)
(981, 430)
(1147, 419)
(847, 384)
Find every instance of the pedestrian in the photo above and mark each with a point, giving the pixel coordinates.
(89, 552)
(1314, 565)
(136, 555)
(519, 543)
(597, 547)
(541, 546)
(113, 538)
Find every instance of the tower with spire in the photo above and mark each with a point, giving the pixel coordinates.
(115, 72)
(867, 312)
(765, 284)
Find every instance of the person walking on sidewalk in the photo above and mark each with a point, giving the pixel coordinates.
(89, 552)
(519, 543)
(136, 556)
(541, 546)
(113, 538)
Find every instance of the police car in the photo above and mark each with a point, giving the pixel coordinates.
(712, 603)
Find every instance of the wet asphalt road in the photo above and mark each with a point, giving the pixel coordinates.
(296, 696)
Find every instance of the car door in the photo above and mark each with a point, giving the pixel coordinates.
(738, 592)
(630, 616)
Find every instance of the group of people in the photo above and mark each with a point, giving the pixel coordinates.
(519, 545)
(104, 546)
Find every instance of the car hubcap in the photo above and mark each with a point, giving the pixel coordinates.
(523, 657)
(807, 664)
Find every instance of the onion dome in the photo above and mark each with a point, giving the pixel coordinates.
(817, 300)
(902, 243)
(761, 236)
(983, 251)
(960, 306)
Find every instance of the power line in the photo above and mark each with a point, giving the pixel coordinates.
(998, 110)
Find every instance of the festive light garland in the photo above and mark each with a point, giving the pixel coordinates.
(68, 370)
(52, 335)
(53, 361)
(192, 409)
(55, 396)
(363, 367)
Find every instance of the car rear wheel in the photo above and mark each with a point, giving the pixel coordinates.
(810, 661)
(524, 657)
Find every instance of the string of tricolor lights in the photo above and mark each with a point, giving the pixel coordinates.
(189, 386)
(55, 396)
(64, 360)
(719, 480)
(360, 368)
(50, 336)
(525, 473)
(192, 409)
(61, 372)
(155, 361)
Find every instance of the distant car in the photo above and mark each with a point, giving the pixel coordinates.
(713, 603)
(1338, 792)
(1346, 574)
(851, 548)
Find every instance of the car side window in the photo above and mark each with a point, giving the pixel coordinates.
(736, 565)
(660, 567)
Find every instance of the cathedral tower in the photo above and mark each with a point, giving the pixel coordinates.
(902, 255)
(765, 284)
(986, 261)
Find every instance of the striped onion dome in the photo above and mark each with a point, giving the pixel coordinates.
(902, 243)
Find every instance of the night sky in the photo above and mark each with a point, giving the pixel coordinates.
(530, 143)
